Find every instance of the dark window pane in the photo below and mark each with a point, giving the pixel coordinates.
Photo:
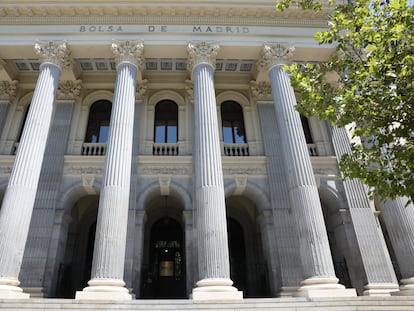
(232, 123)
(98, 123)
(166, 122)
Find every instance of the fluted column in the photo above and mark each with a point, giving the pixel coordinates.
(399, 220)
(110, 243)
(375, 259)
(317, 265)
(20, 194)
(209, 203)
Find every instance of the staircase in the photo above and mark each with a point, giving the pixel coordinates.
(267, 304)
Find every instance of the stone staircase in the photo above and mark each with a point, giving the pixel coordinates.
(267, 304)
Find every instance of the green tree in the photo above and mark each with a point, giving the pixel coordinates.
(367, 85)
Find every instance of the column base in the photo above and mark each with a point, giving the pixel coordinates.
(9, 289)
(406, 288)
(104, 289)
(35, 292)
(288, 291)
(380, 289)
(323, 287)
(216, 289)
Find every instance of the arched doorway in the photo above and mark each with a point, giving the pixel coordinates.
(237, 254)
(163, 273)
(75, 270)
(248, 266)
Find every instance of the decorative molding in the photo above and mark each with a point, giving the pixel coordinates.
(202, 53)
(82, 170)
(261, 90)
(164, 181)
(244, 170)
(159, 170)
(128, 52)
(274, 54)
(54, 52)
(241, 183)
(8, 90)
(189, 89)
(69, 90)
(88, 180)
(141, 90)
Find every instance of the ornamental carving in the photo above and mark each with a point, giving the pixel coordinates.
(202, 53)
(261, 90)
(274, 54)
(8, 89)
(141, 89)
(69, 90)
(189, 89)
(54, 52)
(82, 170)
(243, 171)
(165, 170)
(128, 52)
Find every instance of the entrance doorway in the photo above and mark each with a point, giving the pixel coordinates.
(164, 275)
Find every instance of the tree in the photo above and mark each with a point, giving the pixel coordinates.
(368, 84)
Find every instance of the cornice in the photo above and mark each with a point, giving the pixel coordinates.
(168, 14)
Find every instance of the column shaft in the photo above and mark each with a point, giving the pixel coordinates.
(210, 208)
(210, 204)
(314, 245)
(20, 194)
(111, 231)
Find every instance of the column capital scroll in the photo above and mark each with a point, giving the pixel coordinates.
(53, 52)
(128, 52)
(202, 53)
(8, 90)
(275, 54)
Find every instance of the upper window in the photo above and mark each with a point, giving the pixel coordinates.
(306, 130)
(98, 123)
(232, 123)
(166, 122)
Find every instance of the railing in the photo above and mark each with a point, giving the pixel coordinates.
(236, 150)
(93, 149)
(165, 149)
(313, 151)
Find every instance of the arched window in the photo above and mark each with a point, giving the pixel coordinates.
(232, 123)
(166, 122)
(98, 123)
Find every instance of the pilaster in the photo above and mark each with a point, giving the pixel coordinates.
(317, 265)
(111, 232)
(20, 194)
(7, 95)
(210, 209)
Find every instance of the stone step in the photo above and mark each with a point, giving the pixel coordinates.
(266, 304)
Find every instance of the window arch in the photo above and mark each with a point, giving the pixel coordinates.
(166, 122)
(98, 122)
(232, 123)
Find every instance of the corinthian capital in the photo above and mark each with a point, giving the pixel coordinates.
(53, 52)
(274, 54)
(128, 52)
(202, 53)
(8, 90)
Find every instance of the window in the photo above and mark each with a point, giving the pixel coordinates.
(306, 129)
(98, 123)
(232, 123)
(166, 122)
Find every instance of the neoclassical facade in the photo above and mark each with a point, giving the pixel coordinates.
(153, 150)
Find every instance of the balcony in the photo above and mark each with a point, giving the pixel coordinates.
(236, 150)
(165, 149)
(93, 149)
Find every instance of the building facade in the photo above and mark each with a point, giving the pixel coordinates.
(153, 150)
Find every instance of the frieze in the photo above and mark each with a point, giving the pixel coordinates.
(82, 170)
(158, 170)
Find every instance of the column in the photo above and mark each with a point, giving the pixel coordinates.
(399, 220)
(20, 194)
(375, 259)
(315, 255)
(209, 204)
(111, 228)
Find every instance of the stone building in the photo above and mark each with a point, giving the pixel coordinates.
(153, 150)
